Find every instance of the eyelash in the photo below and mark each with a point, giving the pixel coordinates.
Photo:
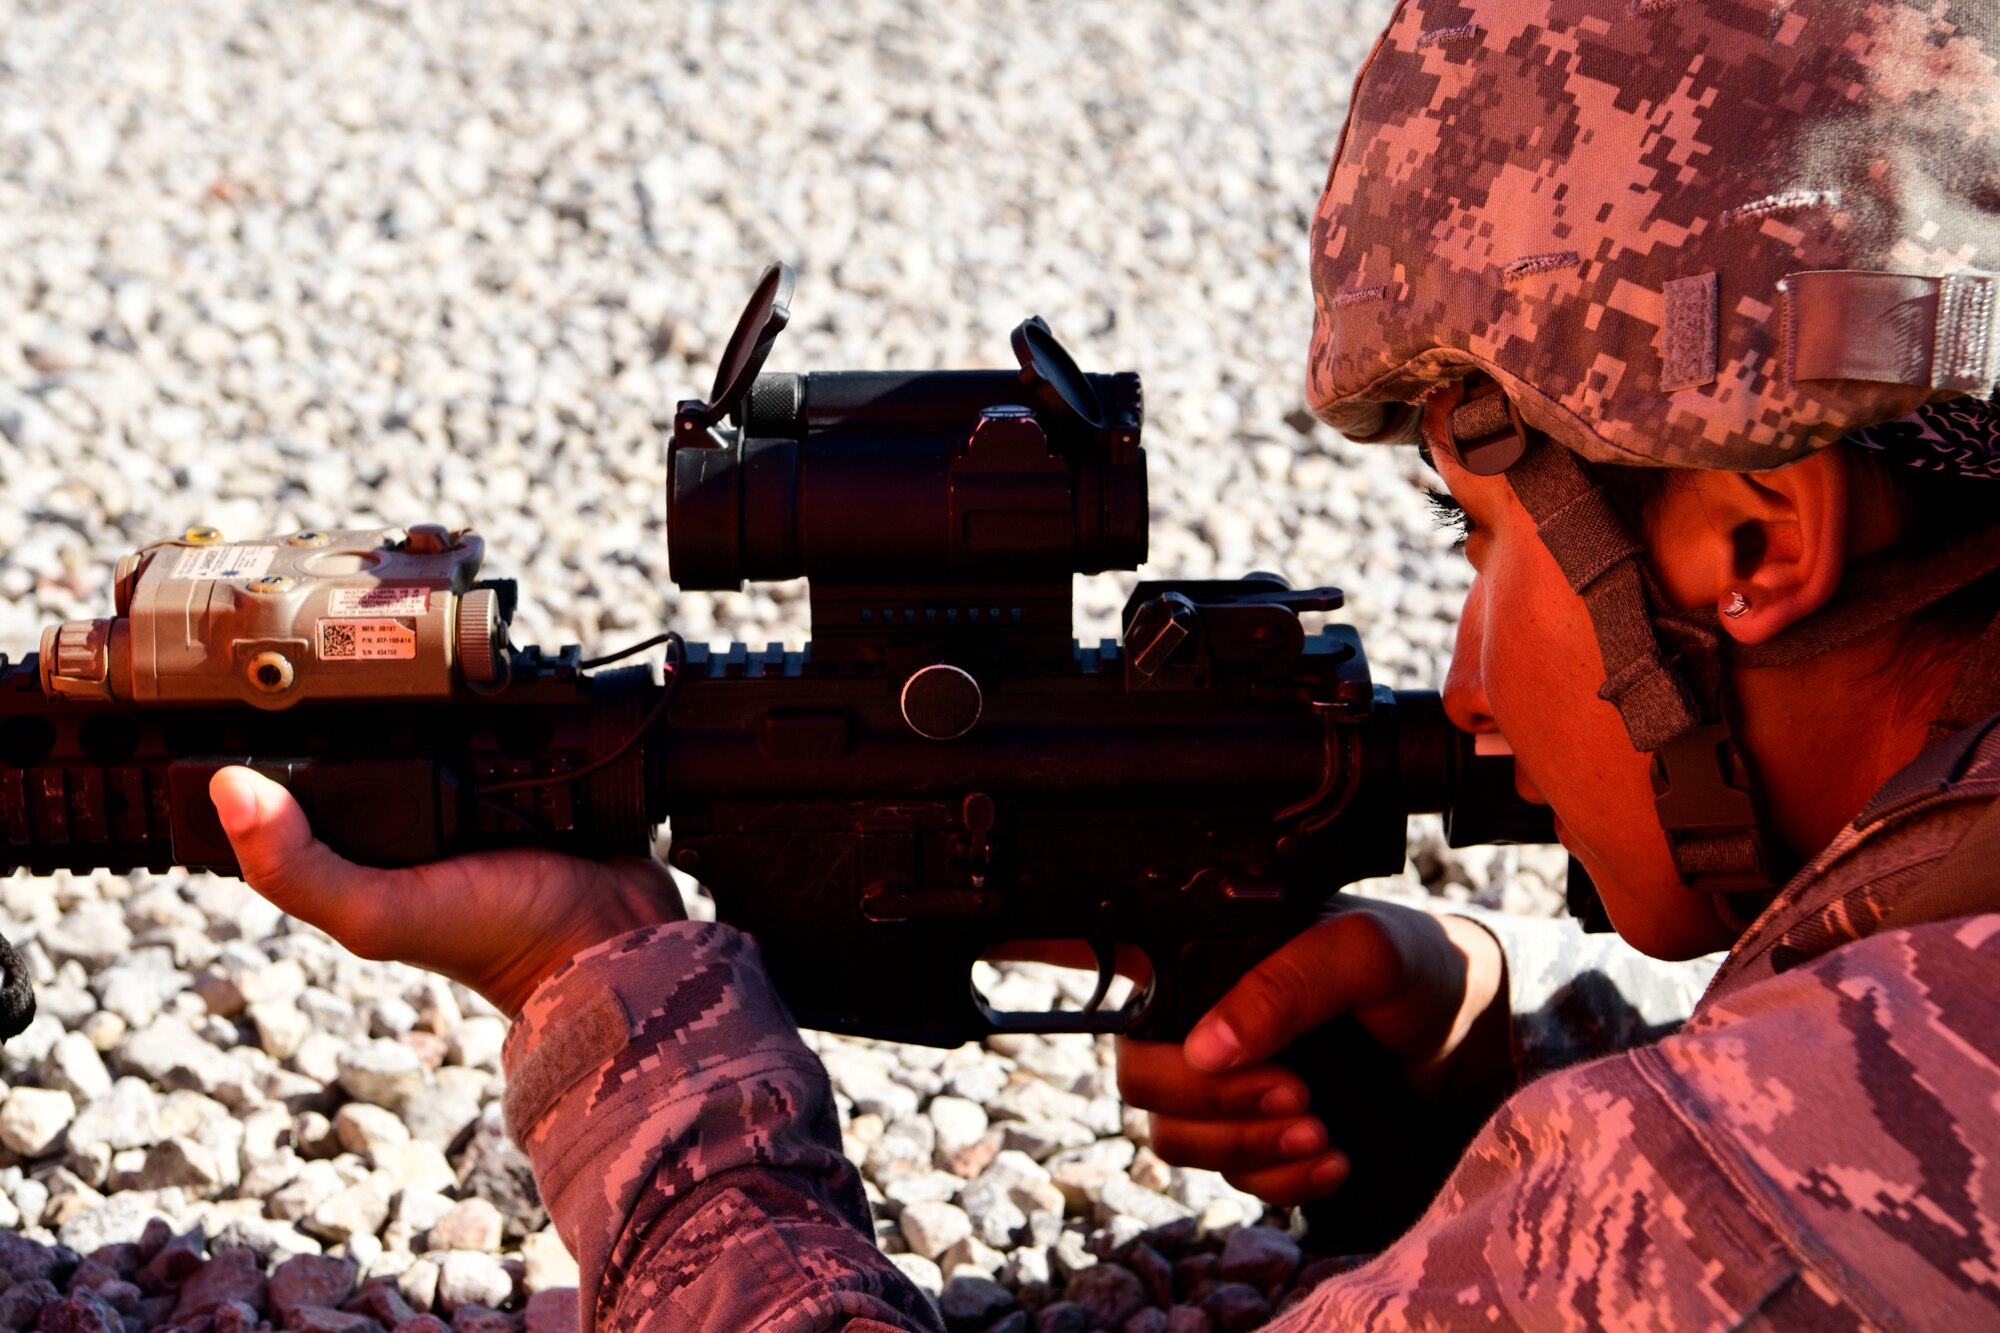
(1451, 516)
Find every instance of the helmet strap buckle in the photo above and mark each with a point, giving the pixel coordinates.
(1487, 433)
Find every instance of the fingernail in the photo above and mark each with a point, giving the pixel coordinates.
(1302, 1138)
(235, 805)
(1282, 1100)
(1329, 1173)
(1213, 1045)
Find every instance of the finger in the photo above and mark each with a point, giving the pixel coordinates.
(1339, 964)
(1237, 1145)
(1294, 1183)
(282, 860)
(1155, 1075)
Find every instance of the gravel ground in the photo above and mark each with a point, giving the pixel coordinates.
(274, 265)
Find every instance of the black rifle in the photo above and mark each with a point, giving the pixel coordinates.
(941, 772)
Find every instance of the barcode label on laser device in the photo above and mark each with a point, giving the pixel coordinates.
(223, 562)
(366, 641)
(384, 599)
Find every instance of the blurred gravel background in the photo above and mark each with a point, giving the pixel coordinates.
(273, 265)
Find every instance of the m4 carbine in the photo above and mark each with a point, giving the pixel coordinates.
(942, 771)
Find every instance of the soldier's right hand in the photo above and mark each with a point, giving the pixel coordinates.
(1430, 989)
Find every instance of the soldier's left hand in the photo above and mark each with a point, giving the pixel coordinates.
(499, 922)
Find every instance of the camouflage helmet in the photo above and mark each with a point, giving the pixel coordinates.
(1698, 233)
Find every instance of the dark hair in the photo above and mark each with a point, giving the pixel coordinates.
(1936, 508)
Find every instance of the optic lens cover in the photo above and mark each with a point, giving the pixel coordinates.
(1053, 374)
(770, 309)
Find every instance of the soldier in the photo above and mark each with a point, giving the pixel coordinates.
(1692, 303)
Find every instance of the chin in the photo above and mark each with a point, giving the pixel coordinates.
(1664, 919)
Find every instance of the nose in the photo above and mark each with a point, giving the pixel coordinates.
(1465, 701)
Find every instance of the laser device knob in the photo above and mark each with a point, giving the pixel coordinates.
(481, 636)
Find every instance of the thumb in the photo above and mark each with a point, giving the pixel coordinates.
(1340, 964)
(276, 850)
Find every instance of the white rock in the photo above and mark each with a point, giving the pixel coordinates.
(73, 1065)
(32, 1119)
(476, 1043)
(281, 1028)
(931, 1228)
(549, 1265)
(466, 1278)
(365, 1129)
(472, 1224)
(126, 1116)
(921, 1271)
(384, 1072)
(416, 1166)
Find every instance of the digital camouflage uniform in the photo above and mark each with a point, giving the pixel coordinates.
(1812, 1150)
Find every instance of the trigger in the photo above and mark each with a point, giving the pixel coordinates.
(1107, 968)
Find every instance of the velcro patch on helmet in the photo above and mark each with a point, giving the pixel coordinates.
(1687, 333)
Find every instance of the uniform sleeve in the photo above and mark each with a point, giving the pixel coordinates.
(1577, 996)
(686, 1144)
(1587, 1202)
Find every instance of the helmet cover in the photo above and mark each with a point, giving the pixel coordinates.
(1689, 233)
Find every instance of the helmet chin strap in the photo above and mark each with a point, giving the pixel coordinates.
(1667, 670)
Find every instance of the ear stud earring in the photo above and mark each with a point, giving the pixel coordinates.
(1736, 605)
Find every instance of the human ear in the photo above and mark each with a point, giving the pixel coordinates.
(1765, 548)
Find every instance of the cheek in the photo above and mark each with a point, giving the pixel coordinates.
(1542, 674)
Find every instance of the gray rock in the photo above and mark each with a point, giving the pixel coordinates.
(310, 1280)
(493, 1168)
(25, 1050)
(968, 1302)
(119, 1219)
(418, 1284)
(179, 1162)
(267, 1238)
(32, 1120)
(167, 1053)
(1261, 1256)
(1063, 1317)
(466, 1278)
(362, 1128)
(994, 1214)
(75, 1065)
(931, 1228)
(359, 1209)
(973, 1253)
(420, 1208)
(908, 1187)
(959, 1123)
(1040, 1139)
(548, 1266)
(443, 1113)
(69, 1005)
(1121, 1196)
(921, 1271)
(92, 933)
(473, 1224)
(416, 1166)
(1109, 1291)
(1235, 1306)
(476, 1042)
(391, 1016)
(281, 1029)
(384, 1072)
